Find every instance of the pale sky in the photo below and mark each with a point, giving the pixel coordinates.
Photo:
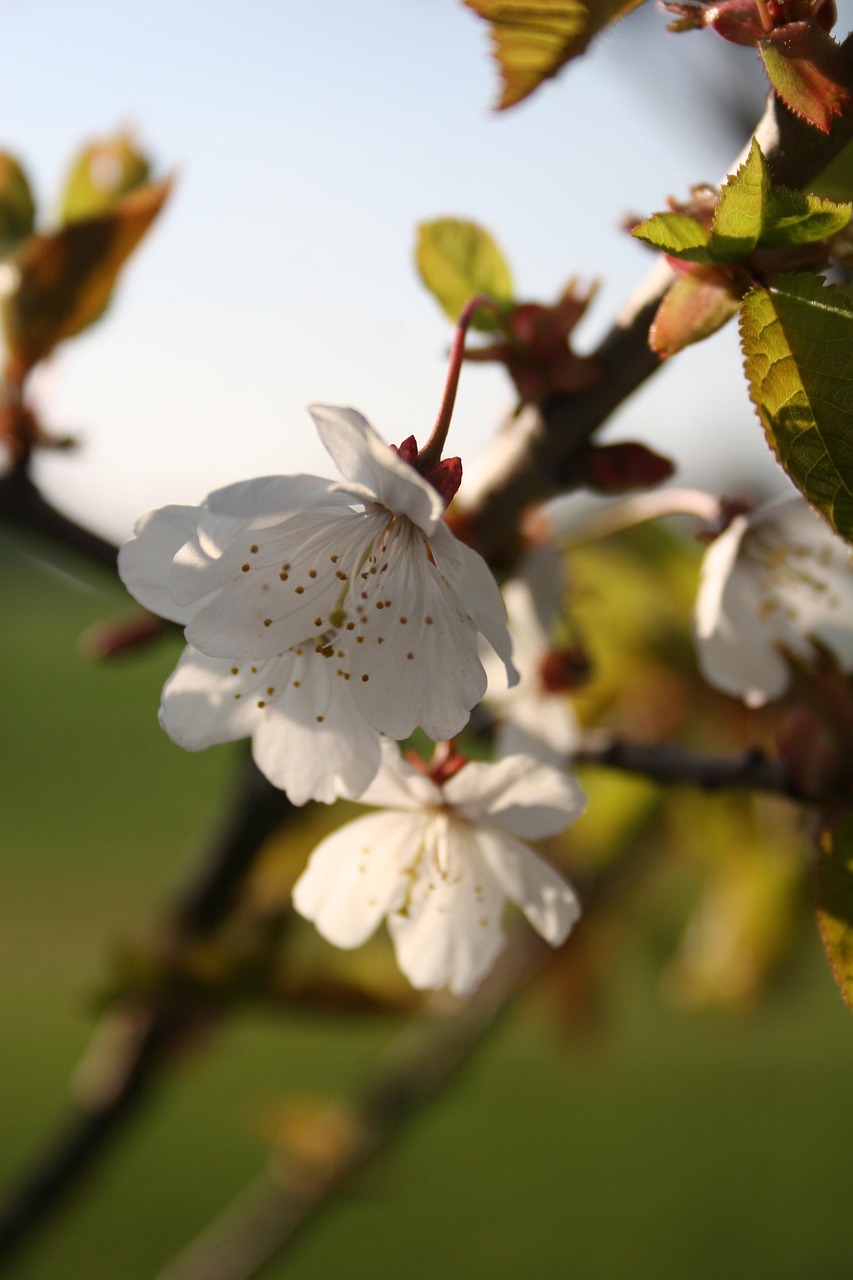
(308, 141)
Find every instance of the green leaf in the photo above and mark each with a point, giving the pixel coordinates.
(793, 218)
(458, 259)
(62, 282)
(836, 180)
(692, 309)
(739, 217)
(676, 234)
(797, 337)
(533, 39)
(17, 206)
(835, 901)
(100, 175)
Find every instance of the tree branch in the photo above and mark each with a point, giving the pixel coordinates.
(751, 770)
(147, 1033)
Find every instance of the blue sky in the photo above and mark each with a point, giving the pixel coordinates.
(308, 142)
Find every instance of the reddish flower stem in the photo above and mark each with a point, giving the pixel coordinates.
(431, 453)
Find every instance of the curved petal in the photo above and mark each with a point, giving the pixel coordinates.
(292, 584)
(276, 496)
(145, 560)
(415, 660)
(549, 902)
(475, 583)
(518, 793)
(399, 786)
(542, 725)
(449, 931)
(375, 472)
(353, 878)
(311, 741)
(210, 700)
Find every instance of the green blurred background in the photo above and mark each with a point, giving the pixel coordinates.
(660, 1144)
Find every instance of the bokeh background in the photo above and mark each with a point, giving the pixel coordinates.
(628, 1137)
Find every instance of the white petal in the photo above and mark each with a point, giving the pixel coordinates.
(474, 583)
(310, 740)
(517, 793)
(415, 661)
(276, 496)
(549, 902)
(211, 700)
(373, 469)
(542, 725)
(145, 560)
(449, 932)
(398, 785)
(294, 580)
(353, 877)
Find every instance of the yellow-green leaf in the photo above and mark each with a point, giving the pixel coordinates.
(17, 206)
(100, 175)
(835, 901)
(797, 338)
(677, 234)
(739, 217)
(836, 180)
(533, 39)
(457, 260)
(60, 283)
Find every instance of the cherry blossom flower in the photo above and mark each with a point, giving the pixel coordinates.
(535, 716)
(777, 578)
(320, 614)
(440, 862)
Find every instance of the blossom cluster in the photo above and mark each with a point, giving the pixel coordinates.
(325, 621)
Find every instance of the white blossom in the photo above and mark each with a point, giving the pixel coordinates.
(319, 614)
(440, 862)
(776, 579)
(534, 716)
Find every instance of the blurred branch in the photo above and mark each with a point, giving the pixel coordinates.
(133, 1055)
(751, 770)
(22, 504)
(539, 453)
(267, 1215)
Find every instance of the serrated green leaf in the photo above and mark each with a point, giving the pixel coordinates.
(797, 338)
(533, 39)
(739, 216)
(17, 206)
(60, 283)
(458, 259)
(101, 173)
(692, 309)
(677, 234)
(835, 901)
(793, 218)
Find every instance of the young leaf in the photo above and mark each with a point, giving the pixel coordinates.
(458, 259)
(533, 39)
(836, 180)
(676, 234)
(811, 72)
(793, 218)
(100, 175)
(17, 206)
(740, 213)
(835, 902)
(692, 309)
(63, 281)
(797, 338)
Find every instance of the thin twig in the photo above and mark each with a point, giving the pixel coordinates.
(750, 770)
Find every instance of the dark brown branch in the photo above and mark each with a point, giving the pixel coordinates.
(150, 1031)
(22, 504)
(751, 770)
